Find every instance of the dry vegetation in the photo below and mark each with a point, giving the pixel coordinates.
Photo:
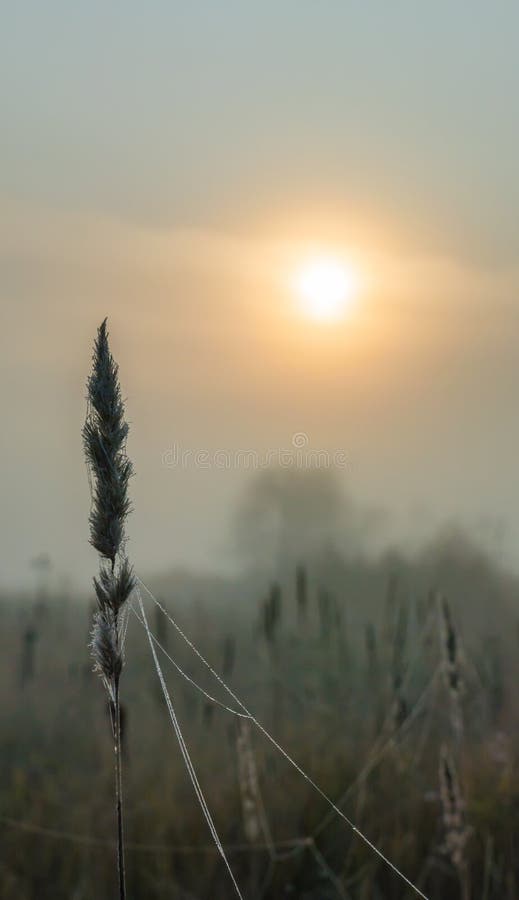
(397, 701)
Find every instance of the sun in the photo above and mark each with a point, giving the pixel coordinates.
(326, 288)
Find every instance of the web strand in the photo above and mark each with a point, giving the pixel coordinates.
(379, 751)
(283, 848)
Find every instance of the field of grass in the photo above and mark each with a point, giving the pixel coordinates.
(346, 662)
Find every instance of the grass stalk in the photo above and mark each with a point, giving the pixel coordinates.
(104, 439)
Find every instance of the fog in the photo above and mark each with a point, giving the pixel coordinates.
(177, 206)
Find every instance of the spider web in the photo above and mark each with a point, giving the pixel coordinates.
(245, 712)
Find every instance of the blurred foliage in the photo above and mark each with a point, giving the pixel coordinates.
(341, 659)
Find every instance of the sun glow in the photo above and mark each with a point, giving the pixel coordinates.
(326, 288)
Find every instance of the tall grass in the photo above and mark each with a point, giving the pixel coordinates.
(53, 745)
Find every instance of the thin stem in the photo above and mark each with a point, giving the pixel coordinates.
(119, 792)
(465, 882)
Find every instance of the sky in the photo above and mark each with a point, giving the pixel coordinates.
(172, 166)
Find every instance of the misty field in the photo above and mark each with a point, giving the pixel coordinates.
(391, 682)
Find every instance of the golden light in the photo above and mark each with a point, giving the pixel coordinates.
(326, 288)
